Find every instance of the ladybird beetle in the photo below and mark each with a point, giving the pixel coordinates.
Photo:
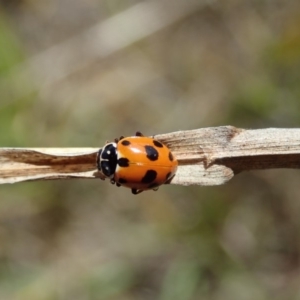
(137, 162)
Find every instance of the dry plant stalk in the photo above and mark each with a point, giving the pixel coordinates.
(206, 156)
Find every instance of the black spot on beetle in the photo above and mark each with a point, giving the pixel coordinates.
(123, 162)
(158, 144)
(122, 181)
(152, 153)
(171, 157)
(149, 176)
(125, 143)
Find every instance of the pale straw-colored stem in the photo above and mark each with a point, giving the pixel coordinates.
(207, 156)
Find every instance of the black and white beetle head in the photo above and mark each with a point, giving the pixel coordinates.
(107, 160)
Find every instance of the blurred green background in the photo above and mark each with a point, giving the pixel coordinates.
(64, 84)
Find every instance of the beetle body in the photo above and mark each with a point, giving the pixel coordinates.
(137, 162)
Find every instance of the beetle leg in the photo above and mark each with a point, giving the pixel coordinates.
(138, 133)
(119, 139)
(136, 191)
(169, 180)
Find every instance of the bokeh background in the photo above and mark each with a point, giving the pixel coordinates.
(76, 73)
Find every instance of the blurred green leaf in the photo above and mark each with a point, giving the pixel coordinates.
(10, 48)
(181, 280)
(109, 280)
